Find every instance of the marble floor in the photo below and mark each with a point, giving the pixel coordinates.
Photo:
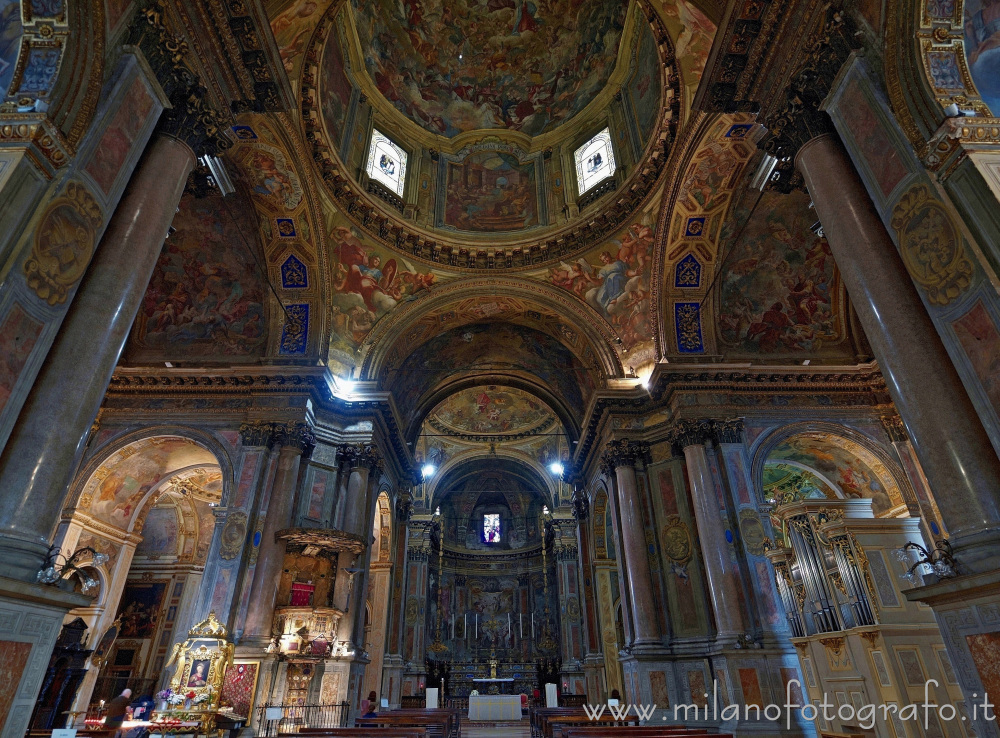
(497, 730)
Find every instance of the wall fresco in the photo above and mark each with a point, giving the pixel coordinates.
(491, 410)
(335, 87)
(644, 87)
(982, 48)
(205, 298)
(693, 33)
(120, 135)
(979, 338)
(466, 65)
(491, 191)
(780, 291)
(10, 41)
(292, 28)
(614, 280)
(159, 533)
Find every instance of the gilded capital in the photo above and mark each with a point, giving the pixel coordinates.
(404, 505)
(297, 435)
(581, 505)
(894, 428)
(728, 431)
(623, 452)
(257, 433)
(691, 433)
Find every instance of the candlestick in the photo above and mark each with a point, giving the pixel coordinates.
(532, 626)
(465, 626)
(508, 625)
(520, 627)
(477, 626)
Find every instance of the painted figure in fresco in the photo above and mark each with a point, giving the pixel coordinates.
(10, 40)
(982, 33)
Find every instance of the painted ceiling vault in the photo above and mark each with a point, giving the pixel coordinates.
(459, 65)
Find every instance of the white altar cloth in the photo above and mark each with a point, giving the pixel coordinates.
(494, 707)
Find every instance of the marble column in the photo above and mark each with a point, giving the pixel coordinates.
(46, 443)
(722, 573)
(622, 456)
(294, 440)
(951, 443)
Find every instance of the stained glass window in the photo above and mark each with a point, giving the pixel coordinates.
(491, 528)
(387, 163)
(595, 160)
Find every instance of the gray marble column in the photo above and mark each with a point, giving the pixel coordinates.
(294, 439)
(954, 451)
(622, 456)
(50, 435)
(722, 574)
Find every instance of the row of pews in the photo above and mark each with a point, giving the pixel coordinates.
(405, 722)
(573, 722)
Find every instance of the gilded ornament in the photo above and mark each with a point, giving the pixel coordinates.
(677, 543)
(931, 246)
(64, 243)
(234, 533)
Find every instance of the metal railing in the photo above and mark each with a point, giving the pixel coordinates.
(275, 720)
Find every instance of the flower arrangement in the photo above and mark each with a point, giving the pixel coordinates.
(165, 695)
(176, 698)
(203, 697)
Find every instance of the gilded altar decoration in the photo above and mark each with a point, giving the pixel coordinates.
(64, 243)
(202, 661)
(931, 245)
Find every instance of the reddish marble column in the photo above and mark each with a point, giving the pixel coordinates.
(49, 437)
(295, 439)
(720, 570)
(950, 441)
(622, 457)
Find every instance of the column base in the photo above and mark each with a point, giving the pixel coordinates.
(967, 610)
(978, 551)
(392, 680)
(22, 558)
(31, 621)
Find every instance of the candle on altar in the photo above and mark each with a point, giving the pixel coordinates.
(520, 626)
(532, 626)
(508, 625)
(477, 626)
(465, 626)
(453, 627)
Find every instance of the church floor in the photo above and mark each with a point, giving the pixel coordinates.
(496, 730)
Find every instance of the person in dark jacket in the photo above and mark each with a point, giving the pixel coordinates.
(115, 714)
(372, 705)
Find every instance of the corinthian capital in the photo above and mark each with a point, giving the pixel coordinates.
(298, 435)
(257, 433)
(623, 452)
(355, 456)
(728, 431)
(690, 433)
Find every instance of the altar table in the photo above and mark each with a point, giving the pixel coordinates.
(494, 707)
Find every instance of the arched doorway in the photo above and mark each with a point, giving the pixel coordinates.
(149, 504)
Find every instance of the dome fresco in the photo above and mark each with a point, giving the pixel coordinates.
(492, 410)
(460, 65)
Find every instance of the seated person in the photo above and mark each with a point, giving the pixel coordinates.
(372, 705)
(115, 715)
(615, 698)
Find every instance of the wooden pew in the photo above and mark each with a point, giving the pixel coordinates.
(411, 732)
(644, 731)
(439, 723)
(554, 726)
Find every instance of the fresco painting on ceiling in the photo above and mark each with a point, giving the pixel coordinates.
(644, 87)
(780, 291)
(827, 455)
(978, 336)
(615, 280)
(869, 131)
(694, 33)
(270, 175)
(491, 346)
(159, 533)
(366, 287)
(491, 410)
(205, 298)
(491, 191)
(705, 186)
(469, 64)
(784, 483)
(982, 48)
(292, 28)
(10, 41)
(114, 497)
(335, 87)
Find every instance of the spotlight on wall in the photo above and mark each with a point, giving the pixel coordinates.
(217, 171)
(346, 386)
(427, 470)
(556, 468)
